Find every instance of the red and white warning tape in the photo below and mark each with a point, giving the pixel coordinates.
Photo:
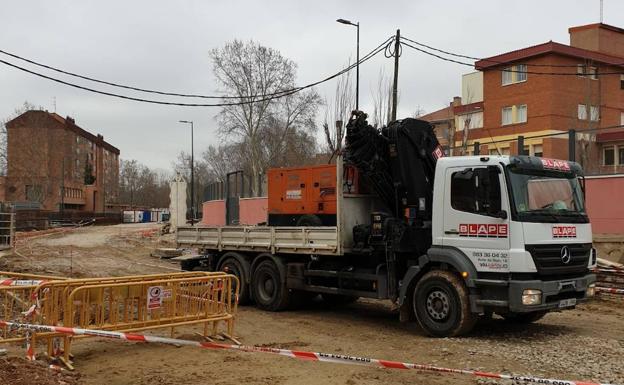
(20, 282)
(610, 290)
(303, 355)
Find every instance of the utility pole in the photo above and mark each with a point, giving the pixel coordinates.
(397, 45)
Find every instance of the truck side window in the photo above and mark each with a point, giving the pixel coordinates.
(476, 191)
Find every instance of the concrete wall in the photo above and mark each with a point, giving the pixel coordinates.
(213, 213)
(253, 210)
(605, 211)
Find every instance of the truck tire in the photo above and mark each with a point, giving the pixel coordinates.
(441, 304)
(269, 287)
(338, 299)
(233, 266)
(524, 318)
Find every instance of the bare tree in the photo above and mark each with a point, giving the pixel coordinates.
(382, 100)
(251, 71)
(337, 113)
(143, 187)
(223, 159)
(418, 112)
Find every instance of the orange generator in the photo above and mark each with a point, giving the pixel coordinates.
(306, 196)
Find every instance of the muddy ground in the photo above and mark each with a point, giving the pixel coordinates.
(582, 344)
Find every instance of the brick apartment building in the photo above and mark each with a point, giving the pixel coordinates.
(54, 163)
(516, 93)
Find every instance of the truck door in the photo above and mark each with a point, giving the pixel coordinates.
(476, 216)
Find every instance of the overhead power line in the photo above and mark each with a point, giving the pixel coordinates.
(166, 93)
(508, 70)
(491, 60)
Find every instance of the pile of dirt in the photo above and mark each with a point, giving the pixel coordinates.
(19, 371)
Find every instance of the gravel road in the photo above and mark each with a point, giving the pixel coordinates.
(582, 344)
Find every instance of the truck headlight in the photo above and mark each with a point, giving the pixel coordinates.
(531, 297)
(591, 290)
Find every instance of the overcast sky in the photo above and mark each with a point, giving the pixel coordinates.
(164, 46)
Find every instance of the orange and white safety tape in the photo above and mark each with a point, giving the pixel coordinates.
(611, 290)
(298, 354)
(20, 282)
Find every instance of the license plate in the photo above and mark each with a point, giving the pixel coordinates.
(567, 302)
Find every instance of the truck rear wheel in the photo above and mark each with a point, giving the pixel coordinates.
(441, 304)
(233, 266)
(268, 287)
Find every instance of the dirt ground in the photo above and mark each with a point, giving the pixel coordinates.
(582, 344)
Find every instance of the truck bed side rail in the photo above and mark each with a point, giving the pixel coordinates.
(297, 240)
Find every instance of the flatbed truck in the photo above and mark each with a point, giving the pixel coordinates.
(447, 239)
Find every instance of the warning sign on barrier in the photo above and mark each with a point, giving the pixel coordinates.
(154, 297)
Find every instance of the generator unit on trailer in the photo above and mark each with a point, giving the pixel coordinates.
(448, 239)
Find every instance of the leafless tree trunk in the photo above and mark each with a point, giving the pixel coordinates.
(250, 71)
(337, 113)
(382, 100)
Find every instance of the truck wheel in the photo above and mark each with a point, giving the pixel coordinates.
(268, 287)
(441, 304)
(232, 266)
(524, 318)
(338, 299)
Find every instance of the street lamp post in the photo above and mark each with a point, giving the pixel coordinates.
(192, 173)
(357, 66)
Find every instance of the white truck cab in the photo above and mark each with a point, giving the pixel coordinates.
(521, 222)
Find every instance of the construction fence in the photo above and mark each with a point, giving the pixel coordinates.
(125, 304)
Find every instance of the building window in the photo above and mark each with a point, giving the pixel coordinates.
(609, 156)
(583, 70)
(514, 74)
(538, 150)
(595, 113)
(514, 114)
(622, 82)
(521, 114)
(582, 112)
(621, 155)
(622, 118)
(507, 115)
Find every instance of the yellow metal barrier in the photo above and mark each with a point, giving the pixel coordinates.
(138, 303)
(16, 300)
(52, 295)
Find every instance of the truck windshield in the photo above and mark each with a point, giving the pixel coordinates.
(546, 196)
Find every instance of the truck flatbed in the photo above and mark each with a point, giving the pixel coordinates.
(292, 240)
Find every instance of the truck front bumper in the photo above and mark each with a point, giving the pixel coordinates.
(557, 294)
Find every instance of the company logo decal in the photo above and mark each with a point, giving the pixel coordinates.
(564, 231)
(555, 164)
(483, 230)
(566, 257)
(438, 153)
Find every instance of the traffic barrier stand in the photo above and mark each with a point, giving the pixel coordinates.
(17, 300)
(138, 303)
(297, 354)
